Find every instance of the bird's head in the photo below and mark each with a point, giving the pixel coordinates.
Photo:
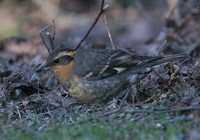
(60, 62)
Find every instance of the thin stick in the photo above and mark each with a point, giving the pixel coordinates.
(108, 31)
(43, 40)
(94, 23)
(167, 110)
(52, 38)
(185, 60)
(19, 114)
(121, 110)
(54, 30)
(161, 48)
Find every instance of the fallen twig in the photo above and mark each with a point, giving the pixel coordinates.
(121, 110)
(164, 110)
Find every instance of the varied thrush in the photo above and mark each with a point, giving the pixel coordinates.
(99, 74)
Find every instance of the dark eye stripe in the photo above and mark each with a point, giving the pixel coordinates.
(69, 58)
(56, 60)
(63, 60)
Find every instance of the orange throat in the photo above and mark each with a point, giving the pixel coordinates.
(63, 71)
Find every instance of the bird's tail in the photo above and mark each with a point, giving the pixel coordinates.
(157, 61)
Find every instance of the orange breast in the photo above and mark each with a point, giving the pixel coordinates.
(63, 71)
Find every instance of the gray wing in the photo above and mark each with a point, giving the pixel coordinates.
(89, 62)
(101, 63)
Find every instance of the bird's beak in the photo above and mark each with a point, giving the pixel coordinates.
(43, 67)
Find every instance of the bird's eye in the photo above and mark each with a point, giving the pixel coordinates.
(56, 60)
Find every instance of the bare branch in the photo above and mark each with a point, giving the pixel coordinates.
(44, 32)
(109, 34)
(42, 37)
(54, 30)
(102, 9)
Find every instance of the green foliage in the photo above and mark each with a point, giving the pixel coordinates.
(152, 128)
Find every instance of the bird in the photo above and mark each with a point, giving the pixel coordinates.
(95, 75)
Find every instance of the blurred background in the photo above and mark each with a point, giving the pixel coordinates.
(140, 25)
(73, 17)
(131, 22)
